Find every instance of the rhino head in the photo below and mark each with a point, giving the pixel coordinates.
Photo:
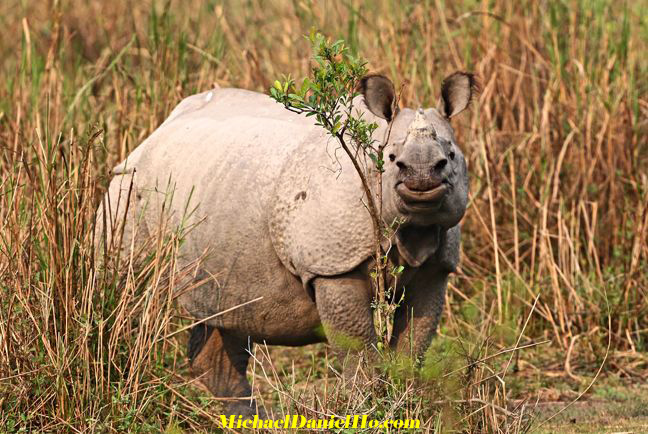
(425, 183)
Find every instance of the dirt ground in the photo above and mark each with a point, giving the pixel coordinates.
(610, 409)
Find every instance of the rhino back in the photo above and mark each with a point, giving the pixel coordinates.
(221, 154)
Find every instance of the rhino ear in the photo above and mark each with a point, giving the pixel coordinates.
(456, 92)
(379, 95)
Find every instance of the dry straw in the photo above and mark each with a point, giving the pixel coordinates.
(554, 245)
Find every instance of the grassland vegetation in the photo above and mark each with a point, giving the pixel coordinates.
(550, 303)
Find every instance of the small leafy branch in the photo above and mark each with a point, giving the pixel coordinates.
(329, 96)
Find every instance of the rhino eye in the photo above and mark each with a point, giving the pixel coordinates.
(392, 157)
(452, 155)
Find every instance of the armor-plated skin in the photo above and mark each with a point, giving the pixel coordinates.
(278, 208)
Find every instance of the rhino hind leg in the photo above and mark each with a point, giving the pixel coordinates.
(220, 362)
(199, 336)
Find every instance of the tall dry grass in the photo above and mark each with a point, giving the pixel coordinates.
(554, 252)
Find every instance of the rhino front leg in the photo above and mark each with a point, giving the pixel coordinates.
(344, 306)
(417, 318)
(220, 362)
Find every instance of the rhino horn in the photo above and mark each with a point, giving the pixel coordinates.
(421, 127)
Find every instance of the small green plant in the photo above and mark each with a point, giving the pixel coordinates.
(329, 97)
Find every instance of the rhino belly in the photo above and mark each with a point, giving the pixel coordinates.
(246, 271)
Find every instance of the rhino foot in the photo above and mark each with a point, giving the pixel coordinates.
(220, 360)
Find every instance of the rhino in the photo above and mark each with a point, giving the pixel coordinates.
(280, 222)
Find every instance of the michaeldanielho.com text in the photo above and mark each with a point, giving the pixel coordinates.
(298, 421)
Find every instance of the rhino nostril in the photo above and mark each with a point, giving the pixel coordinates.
(441, 164)
(401, 165)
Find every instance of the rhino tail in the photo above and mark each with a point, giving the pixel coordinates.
(199, 336)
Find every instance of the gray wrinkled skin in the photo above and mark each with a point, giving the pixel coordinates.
(278, 207)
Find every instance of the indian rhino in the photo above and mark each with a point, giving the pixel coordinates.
(280, 211)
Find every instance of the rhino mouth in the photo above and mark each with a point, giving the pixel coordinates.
(422, 198)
